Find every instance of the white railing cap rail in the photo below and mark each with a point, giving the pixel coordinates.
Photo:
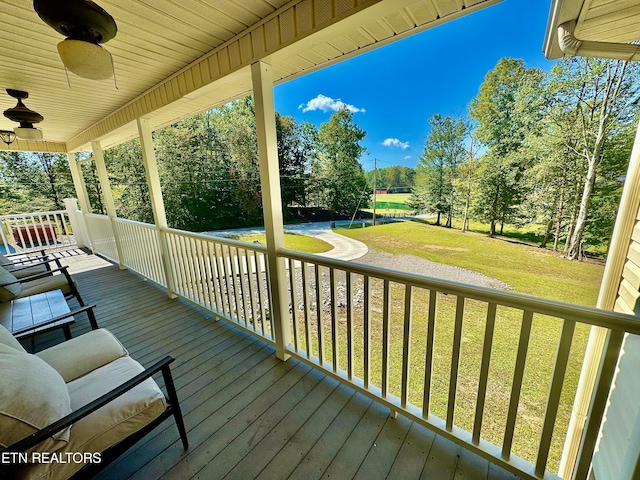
(135, 222)
(567, 311)
(32, 214)
(226, 241)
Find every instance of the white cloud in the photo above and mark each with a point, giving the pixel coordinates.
(394, 142)
(324, 103)
(407, 157)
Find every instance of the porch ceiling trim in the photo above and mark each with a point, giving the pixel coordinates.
(299, 28)
(603, 27)
(35, 146)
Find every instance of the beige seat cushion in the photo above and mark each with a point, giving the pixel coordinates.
(112, 423)
(9, 340)
(9, 292)
(81, 355)
(27, 272)
(46, 284)
(32, 396)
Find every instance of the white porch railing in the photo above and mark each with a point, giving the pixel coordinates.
(141, 250)
(100, 232)
(399, 338)
(28, 232)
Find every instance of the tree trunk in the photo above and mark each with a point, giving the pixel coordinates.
(572, 221)
(494, 213)
(501, 227)
(438, 220)
(547, 235)
(559, 220)
(574, 252)
(450, 219)
(465, 220)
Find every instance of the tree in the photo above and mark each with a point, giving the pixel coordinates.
(296, 153)
(128, 181)
(505, 114)
(437, 169)
(599, 96)
(396, 179)
(40, 175)
(337, 172)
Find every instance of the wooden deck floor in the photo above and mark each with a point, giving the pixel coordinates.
(249, 415)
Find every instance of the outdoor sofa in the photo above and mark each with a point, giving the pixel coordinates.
(70, 410)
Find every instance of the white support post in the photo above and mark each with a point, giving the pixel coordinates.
(262, 79)
(78, 183)
(157, 203)
(83, 199)
(609, 286)
(107, 196)
(76, 219)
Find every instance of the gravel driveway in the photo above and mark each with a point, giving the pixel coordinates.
(420, 266)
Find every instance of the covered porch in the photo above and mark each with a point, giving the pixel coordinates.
(290, 384)
(249, 415)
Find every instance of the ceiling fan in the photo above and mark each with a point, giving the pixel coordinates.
(85, 25)
(24, 116)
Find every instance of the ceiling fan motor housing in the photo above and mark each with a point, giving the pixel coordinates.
(86, 25)
(77, 19)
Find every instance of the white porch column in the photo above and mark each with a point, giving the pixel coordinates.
(83, 199)
(271, 200)
(76, 218)
(157, 203)
(609, 287)
(78, 183)
(107, 196)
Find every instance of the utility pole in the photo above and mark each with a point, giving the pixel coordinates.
(375, 188)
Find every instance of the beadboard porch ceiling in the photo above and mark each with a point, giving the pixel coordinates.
(175, 58)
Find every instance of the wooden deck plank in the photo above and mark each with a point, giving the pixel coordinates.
(326, 448)
(442, 460)
(471, 466)
(208, 442)
(289, 457)
(347, 462)
(413, 454)
(384, 450)
(249, 415)
(272, 429)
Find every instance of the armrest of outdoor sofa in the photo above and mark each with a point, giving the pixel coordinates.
(41, 435)
(88, 309)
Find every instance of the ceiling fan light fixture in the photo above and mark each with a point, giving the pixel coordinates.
(86, 59)
(7, 136)
(24, 116)
(28, 133)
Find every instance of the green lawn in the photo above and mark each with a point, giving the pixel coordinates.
(528, 270)
(292, 241)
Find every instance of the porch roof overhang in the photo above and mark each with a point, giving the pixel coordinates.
(610, 24)
(175, 59)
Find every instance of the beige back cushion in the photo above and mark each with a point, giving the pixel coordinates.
(9, 292)
(32, 396)
(9, 340)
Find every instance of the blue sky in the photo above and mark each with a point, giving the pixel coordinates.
(399, 90)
